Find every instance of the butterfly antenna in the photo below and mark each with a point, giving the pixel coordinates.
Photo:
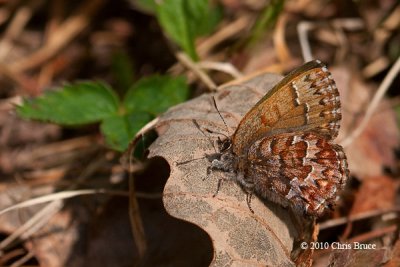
(216, 108)
(188, 161)
(208, 138)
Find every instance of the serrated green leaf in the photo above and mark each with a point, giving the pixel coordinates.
(156, 94)
(203, 18)
(184, 20)
(122, 69)
(74, 104)
(119, 130)
(267, 19)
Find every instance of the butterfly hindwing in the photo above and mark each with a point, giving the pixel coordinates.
(303, 170)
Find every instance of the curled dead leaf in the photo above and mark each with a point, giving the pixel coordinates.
(240, 237)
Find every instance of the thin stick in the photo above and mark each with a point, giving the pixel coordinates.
(374, 234)
(23, 260)
(374, 103)
(20, 79)
(360, 216)
(302, 29)
(227, 31)
(221, 66)
(188, 63)
(138, 233)
(67, 32)
(41, 218)
(16, 26)
(61, 196)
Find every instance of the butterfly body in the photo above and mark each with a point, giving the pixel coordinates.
(282, 149)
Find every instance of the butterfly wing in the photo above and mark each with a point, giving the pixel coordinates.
(306, 99)
(303, 170)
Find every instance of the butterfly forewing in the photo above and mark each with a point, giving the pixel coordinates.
(306, 99)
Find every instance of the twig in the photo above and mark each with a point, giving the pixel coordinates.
(305, 26)
(375, 67)
(17, 252)
(224, 33)
(20, 19)
(23, 260)
(221, 66)
(302, 28)
(280, 44)
(136, 220)
(42, 217)
(61, 196)
(18, 78)
(187, 62)
(351, 24)
(48, 70)
(36, 220)
(356, 217)
(374, 103)
(67, 31)
(373, 234)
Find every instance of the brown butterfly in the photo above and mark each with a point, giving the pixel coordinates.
(282, 149)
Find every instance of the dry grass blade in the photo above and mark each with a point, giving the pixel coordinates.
(60, 196)
(41, 218)
(67, 31)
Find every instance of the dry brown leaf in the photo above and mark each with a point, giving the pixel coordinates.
(359, 258)
(375, 193)
(51, 244)
(374, 148)
(240, 237)
(54, 244)
(395, 258)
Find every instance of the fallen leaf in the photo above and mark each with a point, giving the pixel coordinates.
(374, 148)
(395, 258)
(375, 193)
(240, 237)
(355, 258)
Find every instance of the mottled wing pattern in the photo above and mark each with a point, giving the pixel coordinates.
(303, 170)
(306, 99)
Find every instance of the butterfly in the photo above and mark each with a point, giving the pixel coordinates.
(283, 148)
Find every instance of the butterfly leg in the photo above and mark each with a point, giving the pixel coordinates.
(220, 180)
(248, 200)
(209, 170)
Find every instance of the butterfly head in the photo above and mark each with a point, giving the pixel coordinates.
(224, 145)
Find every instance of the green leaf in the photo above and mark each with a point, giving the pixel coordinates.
(74, 104)
(184, 20)
(267, 19)
(203, 18)
(119, 130)
(156, 94)
(122, 69)
(148, 6)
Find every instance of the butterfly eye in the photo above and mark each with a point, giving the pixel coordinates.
(224, 145)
